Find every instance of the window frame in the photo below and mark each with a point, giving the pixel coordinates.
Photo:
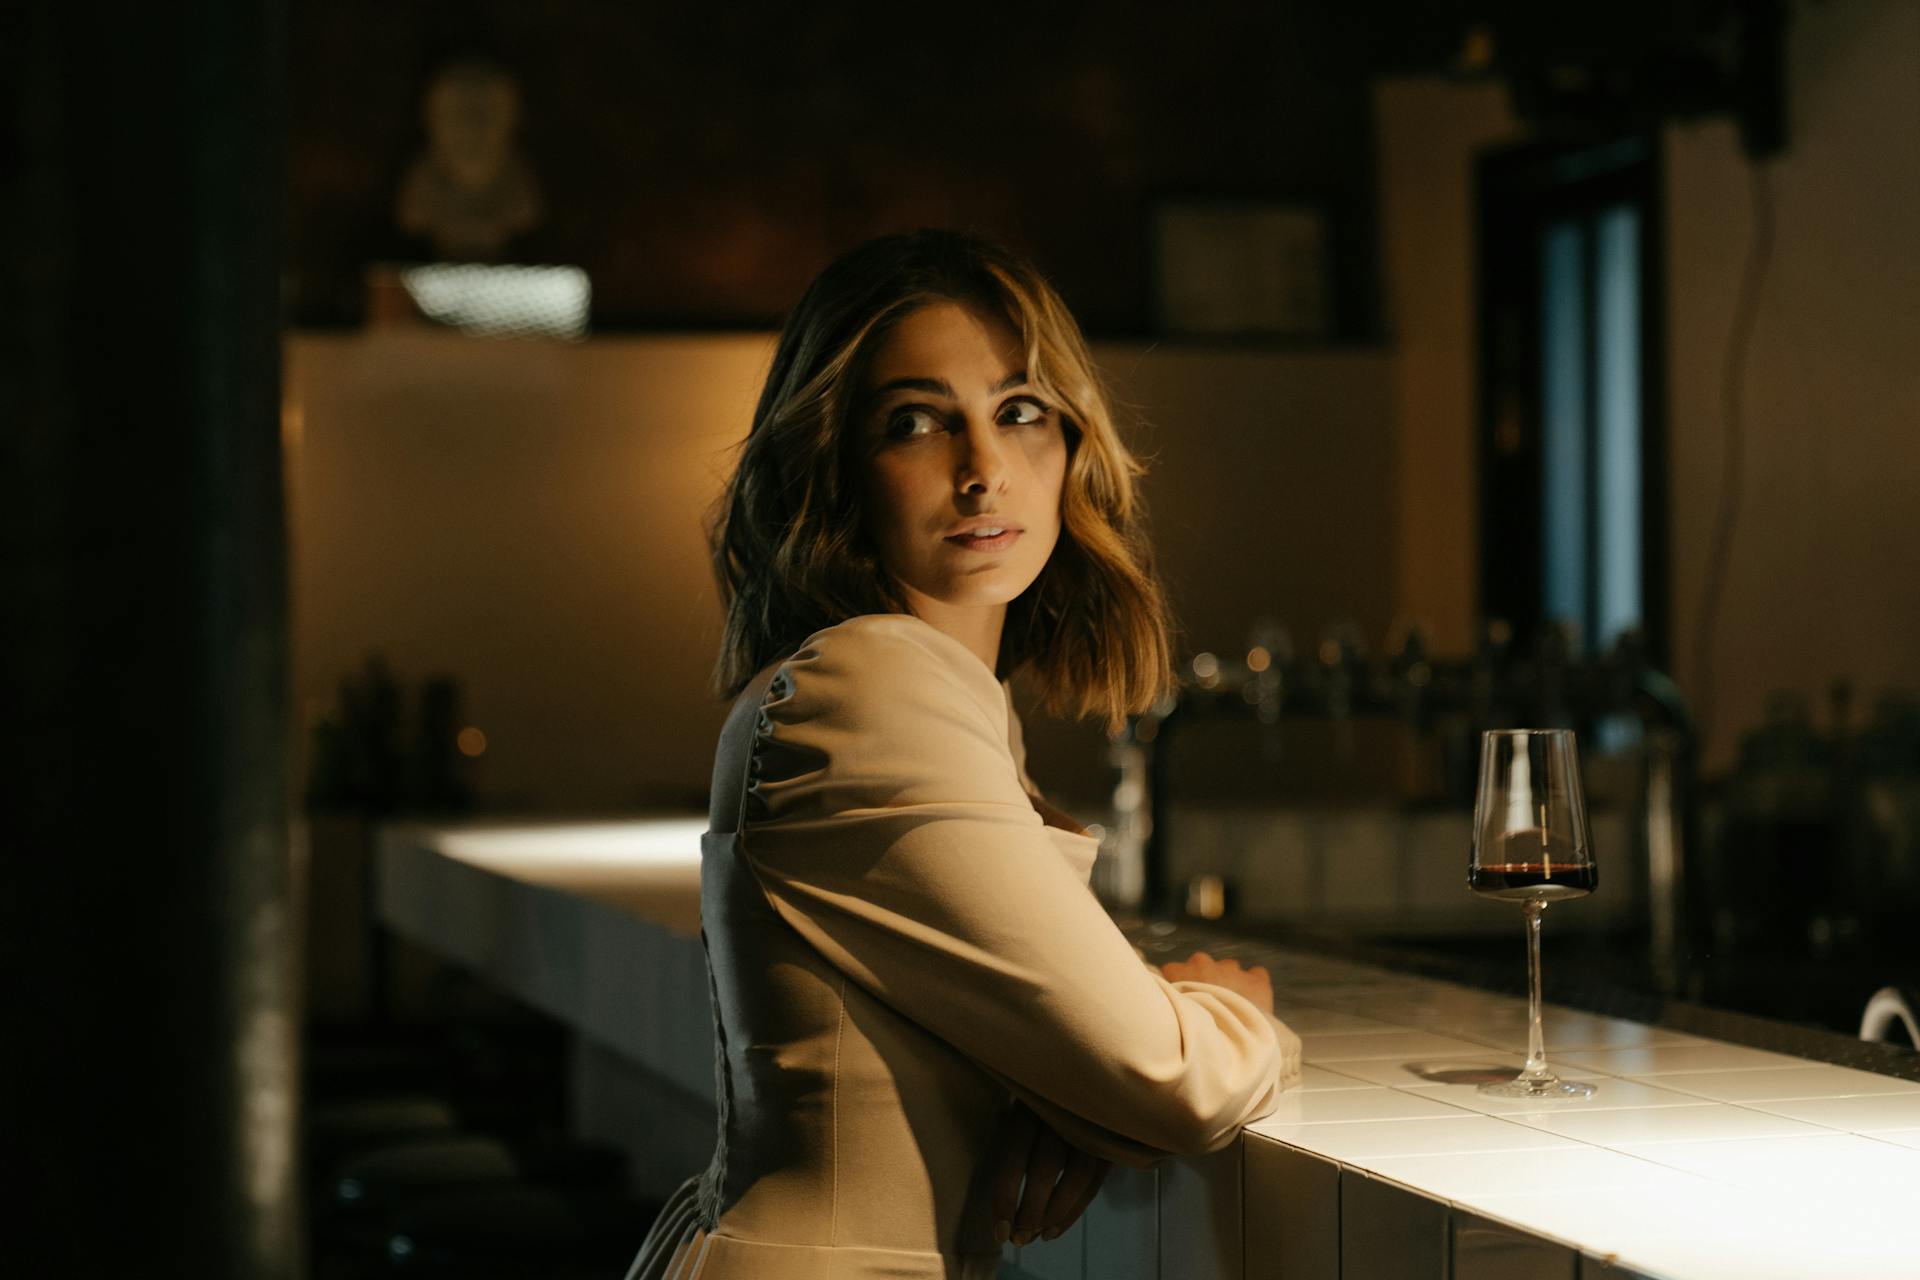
(1519, 191)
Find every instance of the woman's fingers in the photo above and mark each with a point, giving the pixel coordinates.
(1044, 1164)
(1008, 1154)
(1073, 1192)
(1071, 1214)
(1033, 1180)
(1251, 981)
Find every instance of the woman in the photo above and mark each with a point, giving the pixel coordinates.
(917, 999)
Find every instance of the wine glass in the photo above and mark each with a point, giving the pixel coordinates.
(1530, 845)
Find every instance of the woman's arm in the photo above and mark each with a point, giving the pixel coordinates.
(888, 825)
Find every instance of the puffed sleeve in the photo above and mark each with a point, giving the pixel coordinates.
(887, 823)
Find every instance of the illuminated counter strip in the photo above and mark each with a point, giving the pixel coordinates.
(1699, 1158)
(598, 925)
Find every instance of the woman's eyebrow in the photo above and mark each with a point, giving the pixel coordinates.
(940, 388)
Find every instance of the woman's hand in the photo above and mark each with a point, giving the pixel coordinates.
(1256, 984)
(1061, 1180)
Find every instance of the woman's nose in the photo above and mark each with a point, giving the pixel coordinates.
(982, 463)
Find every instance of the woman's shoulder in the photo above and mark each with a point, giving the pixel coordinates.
(876, 661)
(873, 712)
(889, 632)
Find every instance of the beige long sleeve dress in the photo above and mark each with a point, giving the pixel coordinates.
(897, 942)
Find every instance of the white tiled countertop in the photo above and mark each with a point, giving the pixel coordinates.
(1696, 1159)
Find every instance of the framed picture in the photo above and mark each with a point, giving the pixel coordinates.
(1241, 268)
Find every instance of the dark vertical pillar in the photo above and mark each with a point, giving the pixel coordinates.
(149, 1058)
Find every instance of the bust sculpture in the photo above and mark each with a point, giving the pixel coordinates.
(471, 191)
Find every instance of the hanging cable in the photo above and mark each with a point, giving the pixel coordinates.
(1733, 459)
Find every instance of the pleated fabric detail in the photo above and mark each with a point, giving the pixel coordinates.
(671, 1249)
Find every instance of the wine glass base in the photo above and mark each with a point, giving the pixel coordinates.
(1550, 1088)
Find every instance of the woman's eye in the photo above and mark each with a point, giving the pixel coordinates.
(919, 420)
(908, 422)
(1029, 411)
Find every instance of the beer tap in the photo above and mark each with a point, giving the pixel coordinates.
(1410, 674)
(1490, 663)
(1342, 662)
(1269, 654)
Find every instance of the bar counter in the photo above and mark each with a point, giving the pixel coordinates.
(1697, 1158)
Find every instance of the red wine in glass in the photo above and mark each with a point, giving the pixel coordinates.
(1533, 864)
(1531, 846)
(1517, 881)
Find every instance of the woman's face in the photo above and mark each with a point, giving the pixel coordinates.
(952, 439)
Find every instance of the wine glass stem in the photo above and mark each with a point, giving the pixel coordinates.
(1536, 1068)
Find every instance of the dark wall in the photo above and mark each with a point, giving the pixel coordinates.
(703, 161)
(145, 906)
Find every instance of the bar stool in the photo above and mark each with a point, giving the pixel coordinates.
(386, 1175)
(335, 1127)
(500, 1231)
(337, 1131)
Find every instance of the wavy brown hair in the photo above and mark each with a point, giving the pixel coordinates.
(788, 537)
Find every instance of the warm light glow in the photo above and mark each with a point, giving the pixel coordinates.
(502, 301)
(1207, 897)
(1258, 659)
(472, 742)
(660, 842)
(1476, 49)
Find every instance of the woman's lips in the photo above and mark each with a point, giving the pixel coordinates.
(999, 542)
